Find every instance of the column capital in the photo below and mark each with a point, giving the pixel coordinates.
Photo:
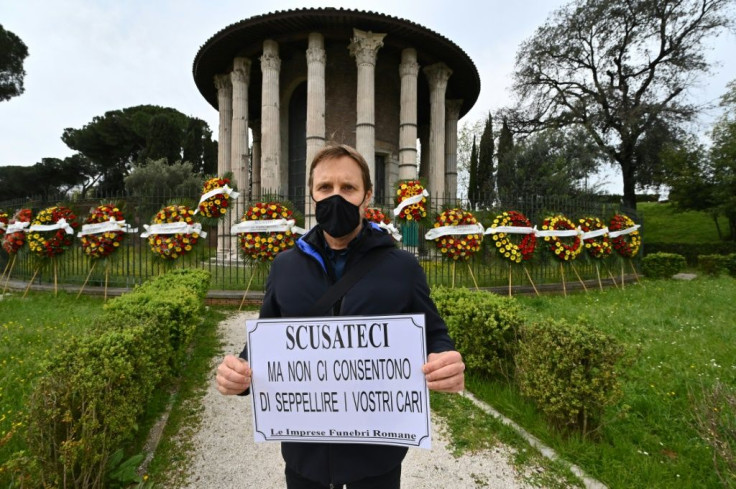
(241, 70)
(409, 65)
(316, 50)
(437, 74)
(223, 82)
(452, 108)
(365, 45)
(270, 59)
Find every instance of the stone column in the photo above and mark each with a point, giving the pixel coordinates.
(423, 131)
(316, 61)
(255, 129)
(225, 109)
(364, 46)
(270, 119)
(437, 74)
(408, 69)
(240, 78)
(452, 113)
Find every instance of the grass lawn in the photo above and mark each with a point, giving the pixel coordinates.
(681, 339)
(664, 224)
(30, 330)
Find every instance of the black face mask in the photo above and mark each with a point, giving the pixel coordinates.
(336, 216)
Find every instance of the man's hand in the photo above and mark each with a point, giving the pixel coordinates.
(445, 372)
(233, 376)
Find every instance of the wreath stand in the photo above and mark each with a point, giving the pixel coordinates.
(579, 278)
(562, 274)
(247, 287)
(91, 269)
(598, 274)
(30, 282)
(531, 281)
(9, 270)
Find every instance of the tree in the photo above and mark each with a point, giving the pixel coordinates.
(13, 52)
(473, 178)
(486, 184)
(159, 178)
(723, 156)
(468, 132)
(615, 69)
(505, 174)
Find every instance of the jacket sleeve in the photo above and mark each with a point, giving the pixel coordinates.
(438, 338)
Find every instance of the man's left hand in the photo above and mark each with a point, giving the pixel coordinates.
(445, 372)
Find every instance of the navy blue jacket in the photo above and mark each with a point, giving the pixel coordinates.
(397, 285)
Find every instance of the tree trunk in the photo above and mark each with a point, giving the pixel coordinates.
(629, 180)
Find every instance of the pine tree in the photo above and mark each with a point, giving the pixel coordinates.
(473, 178)
(486, 182)
(506, 172)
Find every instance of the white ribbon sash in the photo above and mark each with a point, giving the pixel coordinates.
(616, 234)
(2, 226)
(596, 233)
(510, 230)
(558, 233)
(220, 190)
(266, 226)
(465, 229)
(410, 201)
(390, 229)
(15, 227)
(104, 227)
(60, 224)
(173, 228)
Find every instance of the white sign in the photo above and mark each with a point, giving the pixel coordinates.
(343, 379)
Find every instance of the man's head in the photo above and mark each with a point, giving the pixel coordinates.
(335, 151)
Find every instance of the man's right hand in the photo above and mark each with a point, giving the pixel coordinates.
(233, 376)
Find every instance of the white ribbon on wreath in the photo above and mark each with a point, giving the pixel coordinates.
(622, 232)
(415, 199)
(464, 229)
(2, 226)
(173, 228)
(390, 229)
(594, 234)
(60, 224)
(510, 230)
(220, 190)
(106, 226)
(558, 233)
(267, 226)
(16, 227)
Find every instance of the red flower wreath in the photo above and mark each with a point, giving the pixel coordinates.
(563, 250)
(266, 245)
(458, 247)
(216, 205)
(627, 245)
(376, 215)
(172, 246)
(12, 242)
(516, 253)
(416, 211)
(599, 247)
(49, 244)
(102, 245)
(4, 218)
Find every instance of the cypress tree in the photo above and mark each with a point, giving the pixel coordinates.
(486, 182)
(473, 178)
(506, 172)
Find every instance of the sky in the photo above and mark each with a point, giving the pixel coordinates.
(87, 57)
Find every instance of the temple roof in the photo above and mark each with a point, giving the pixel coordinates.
(291, 28)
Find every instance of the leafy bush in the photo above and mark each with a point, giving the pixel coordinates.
(570, 372)
(713, 264)
(96, 387)
(662, 265)
(691, 251)
(731, 264)
(484, 327)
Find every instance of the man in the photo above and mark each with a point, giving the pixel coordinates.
(340, 184)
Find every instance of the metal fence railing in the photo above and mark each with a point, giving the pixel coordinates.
(133, 262)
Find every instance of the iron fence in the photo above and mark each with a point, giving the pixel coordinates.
(218, 253)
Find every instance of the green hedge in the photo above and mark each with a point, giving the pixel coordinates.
(713, 265)
(662, 265)
(96, 387)
(691, 251)
(484, 327)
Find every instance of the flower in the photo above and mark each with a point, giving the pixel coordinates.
(563, 250)
(3, 222)
(515, 253)
(216, 205)
(406, 190)
(266, 245)
(12, 242)
(458, 246)
(626, 245)
(172, 246)
(49, 244)
(599, 247)
(376, 215)
(103, 244)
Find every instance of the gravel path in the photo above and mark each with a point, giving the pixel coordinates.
(225, 455)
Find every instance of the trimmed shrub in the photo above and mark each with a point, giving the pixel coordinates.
(484, 327)
(713, 265)
(731, 264)
(570, 372)
(88, 403)
(691, 250)
(662, 265)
